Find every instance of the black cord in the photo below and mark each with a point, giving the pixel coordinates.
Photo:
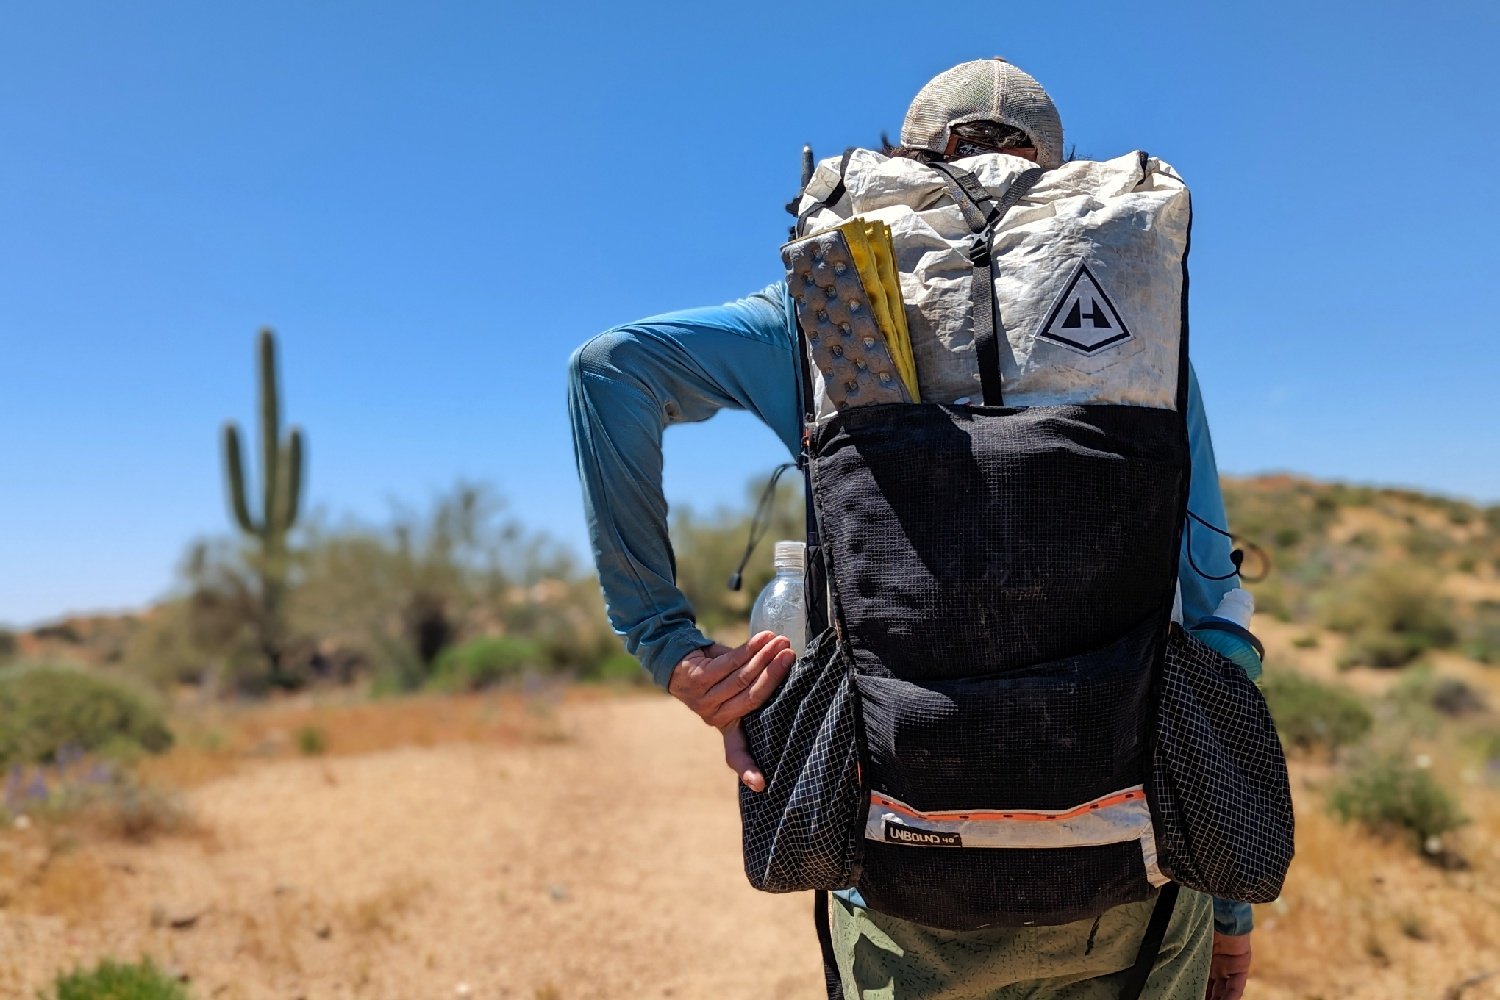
(1237, 556)
(758, 524)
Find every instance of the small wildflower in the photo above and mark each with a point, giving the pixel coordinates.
(1424, 761)
(1433, 845)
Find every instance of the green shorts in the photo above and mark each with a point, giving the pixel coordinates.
(882, 958)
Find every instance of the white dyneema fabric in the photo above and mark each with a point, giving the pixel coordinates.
(1088, 272)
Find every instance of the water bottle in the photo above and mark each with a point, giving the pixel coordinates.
(781, 607)
(1227, 632)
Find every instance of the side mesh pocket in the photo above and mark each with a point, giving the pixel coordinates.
(1219, 793)
(803, 831)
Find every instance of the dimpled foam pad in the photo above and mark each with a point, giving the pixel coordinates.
(843, 339)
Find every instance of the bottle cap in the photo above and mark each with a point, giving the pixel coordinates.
(791, 555)
(1237, 606)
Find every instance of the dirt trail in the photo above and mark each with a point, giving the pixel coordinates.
(606, 865)
(602, 865)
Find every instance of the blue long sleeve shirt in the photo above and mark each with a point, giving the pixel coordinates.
(627, 385)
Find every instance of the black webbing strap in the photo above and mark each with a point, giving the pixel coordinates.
(831, 980)
(1156, 931)
(814, 573)
(983, 214)
(829, 200)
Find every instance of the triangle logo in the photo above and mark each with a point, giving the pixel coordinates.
(1083, 318)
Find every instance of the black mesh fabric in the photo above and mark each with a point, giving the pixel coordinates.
(964, 889)
(970, 540)
(1220, 800)
(1043, 737)
(805, 830)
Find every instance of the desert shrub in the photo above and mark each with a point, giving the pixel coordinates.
(1422, 698)
(1427, 545)
(1481, 634)
(1390, 795)
(1392, 614)
(1271, 598)
(400, 596)
(111, 980)
(1310, 715)
(1306, 640)
(49, 708)
(312, 741)
(482, 663)
(617, 668)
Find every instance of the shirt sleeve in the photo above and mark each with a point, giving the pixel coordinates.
(625, 387)
(1205, 554)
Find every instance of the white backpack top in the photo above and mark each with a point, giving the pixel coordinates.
(1088, 271)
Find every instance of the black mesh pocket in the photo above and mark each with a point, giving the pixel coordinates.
(1219, 793)
(1045, 737)
(803, 831)
(964, 774)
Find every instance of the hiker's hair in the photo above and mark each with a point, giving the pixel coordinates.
(928, 156)
(907, 152)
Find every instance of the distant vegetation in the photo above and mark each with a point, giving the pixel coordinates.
(51, 710)
(460, 597)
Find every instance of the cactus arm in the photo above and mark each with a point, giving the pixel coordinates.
(291, 481)
(270, 434)
(234, 468)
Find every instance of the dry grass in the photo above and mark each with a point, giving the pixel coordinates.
(217, 741)
(1356, 901)
(380, 914)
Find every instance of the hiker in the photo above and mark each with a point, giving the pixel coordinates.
(628, 384)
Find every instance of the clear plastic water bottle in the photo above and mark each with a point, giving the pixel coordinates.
(781, 607)
(1227, 632)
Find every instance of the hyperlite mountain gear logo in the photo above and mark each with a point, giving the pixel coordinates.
(1083, 317)
(896, 833)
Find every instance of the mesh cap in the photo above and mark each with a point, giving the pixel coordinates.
(984, 90)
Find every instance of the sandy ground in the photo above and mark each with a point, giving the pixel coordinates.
(606, 865)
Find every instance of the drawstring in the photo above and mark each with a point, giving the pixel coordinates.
(759, 524)
(1237, 556)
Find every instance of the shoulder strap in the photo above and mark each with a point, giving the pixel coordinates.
(983, 213)
(1156, 932)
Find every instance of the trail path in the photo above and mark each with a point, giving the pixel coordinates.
(606, 865)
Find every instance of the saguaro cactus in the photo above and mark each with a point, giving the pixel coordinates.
(281, 492)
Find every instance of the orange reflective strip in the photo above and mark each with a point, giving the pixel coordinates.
(1114, 799)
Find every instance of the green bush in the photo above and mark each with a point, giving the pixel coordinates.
(1392, 614)
(111, 980)
(617, 668)
(1310, 715)
(312, 741)
(481, 663)
(47, 709)
(1388, 794)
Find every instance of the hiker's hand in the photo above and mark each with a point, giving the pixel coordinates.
(1230, 967)
(722, 684)
(737, 756)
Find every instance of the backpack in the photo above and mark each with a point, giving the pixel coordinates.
(996, 721)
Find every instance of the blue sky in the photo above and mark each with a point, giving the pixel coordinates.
(433, 203)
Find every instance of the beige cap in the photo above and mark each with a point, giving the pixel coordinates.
(984, 90)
